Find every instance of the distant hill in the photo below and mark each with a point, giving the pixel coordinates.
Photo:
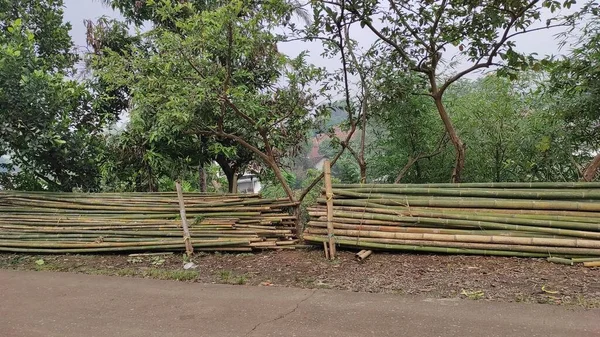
(338, 115)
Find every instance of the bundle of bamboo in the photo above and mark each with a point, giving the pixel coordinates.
(110, 222)
(505, 219)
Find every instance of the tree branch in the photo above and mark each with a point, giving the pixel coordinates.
(240, 113)
(413, 32)
(421, 155)
(493, 52)
(537, 29)
(389, 41)
(333, 161)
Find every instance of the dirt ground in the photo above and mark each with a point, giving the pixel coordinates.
(440, 276)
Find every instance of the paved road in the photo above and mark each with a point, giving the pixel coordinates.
(61, 304)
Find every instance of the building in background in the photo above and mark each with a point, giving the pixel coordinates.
(249, 183)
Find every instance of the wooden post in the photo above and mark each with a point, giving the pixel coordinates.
(329, 198)
(189, 249)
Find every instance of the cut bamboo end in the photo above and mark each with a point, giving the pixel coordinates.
(363, 254)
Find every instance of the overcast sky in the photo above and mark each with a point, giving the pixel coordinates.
(542, 42)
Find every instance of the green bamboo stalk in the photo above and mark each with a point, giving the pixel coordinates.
(487, 239)
(482, 246)
(483, 193)
(410, 201)
(361, 204)
(372, 208)
(94, 245)
(469, 224)
(560, 260)
(547, 185)
(179, 247)
(424, 249)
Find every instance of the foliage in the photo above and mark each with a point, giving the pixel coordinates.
(415, 35)
(204, 80)
(574, 86)
(510, 132)
(404, 126)
(272, 188)
(50, 125)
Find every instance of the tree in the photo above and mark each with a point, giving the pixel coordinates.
(219, 75)
(334, 32)
(405, 130)
(231, 157)
(50, 125)
(576, 80)
(517, 135)
(417, 34)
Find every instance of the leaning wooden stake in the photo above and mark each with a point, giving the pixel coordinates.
(326, 250)
(329, 198)
(189, 249)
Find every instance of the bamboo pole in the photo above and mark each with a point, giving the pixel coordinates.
(485, 193)
(481, 246)
(560, 260)
(434, 201)
(586, 259)
(82, 222)
(189, 249)
(329, 198)
(426, 249)
(547, 185)
(532, 241)
(363, 254)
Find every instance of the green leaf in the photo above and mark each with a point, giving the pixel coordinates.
(40, 262)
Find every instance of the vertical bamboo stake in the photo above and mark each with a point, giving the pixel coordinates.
(326, 250)
(189, 249)
(329, 197)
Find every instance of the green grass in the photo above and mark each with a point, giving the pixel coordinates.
(228, 277)
(225, 275)
(177, 275)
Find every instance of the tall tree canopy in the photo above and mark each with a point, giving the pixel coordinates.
(49, 123)
(417, 35)
(219, 75)
(575, 87)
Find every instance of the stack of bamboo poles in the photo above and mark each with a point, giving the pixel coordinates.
(110, 222)
(504, 219)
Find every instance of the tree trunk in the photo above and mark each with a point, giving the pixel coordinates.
(363, 172)
(202, 177)
(409, 164)
(233, 188)
(590, 171)
(362, 163)
(459, 147)
(282, 181)
(232, 178)
(229, 177)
